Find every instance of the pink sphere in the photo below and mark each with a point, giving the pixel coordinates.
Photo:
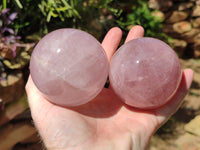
(145, 73)
(69, 67)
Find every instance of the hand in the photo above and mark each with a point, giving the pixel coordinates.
(105, 123)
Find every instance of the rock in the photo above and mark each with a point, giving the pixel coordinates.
(177, 16)
(189, 146)
(190, 35)
(197, 38)
(196, 54)
(12, 134)
(184, 6)
(168, 28)
(181, 27)
(197, 50)
(160, 4)
(194, 65)
(179, 43)
(19, 62)
(196, 11)
(6, 53)
(12, 110)
(192, 100)
(197, 2)
(188, 142)
(193, 126)
(196, 23)
(159, 15)
(179, 46)
(12, 88)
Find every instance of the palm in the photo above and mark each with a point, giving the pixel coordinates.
(105, 122)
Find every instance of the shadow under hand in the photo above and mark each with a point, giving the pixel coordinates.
(105, 105)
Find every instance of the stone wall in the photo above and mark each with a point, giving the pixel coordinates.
(181, 21)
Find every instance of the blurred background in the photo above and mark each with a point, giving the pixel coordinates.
(24, 22)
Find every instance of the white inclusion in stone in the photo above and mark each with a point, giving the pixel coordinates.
(58, 50)
(140, 78)
(137, 61)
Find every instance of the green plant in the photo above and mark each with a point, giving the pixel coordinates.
(7, 34)
(16, 1)
(11, 48)
(28, 19)
(58, 8)
(94, 16)
(53, 14)
(142, 15)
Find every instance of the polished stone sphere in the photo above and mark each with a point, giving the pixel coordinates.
(145, 73)
(69, 67)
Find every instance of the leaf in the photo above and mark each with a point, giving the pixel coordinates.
(49, 17)
(62, 9)
(11, 17)
(53, 14)
(9, 30)
(19, 4)
(66, 4)
(76, 13)
(5, 11)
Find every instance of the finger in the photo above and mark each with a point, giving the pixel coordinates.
(111, 41)
(135, 33)
(170, 108)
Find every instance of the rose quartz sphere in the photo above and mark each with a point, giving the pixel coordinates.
(69, 67)
(145, 73)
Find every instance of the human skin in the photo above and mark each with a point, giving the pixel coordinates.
(105, 123)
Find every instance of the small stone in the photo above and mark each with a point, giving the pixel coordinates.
(184, 6)
(187, 142)
(193, 126)
(197, 53)
(160, 4)
(197, 2)
(197, 50)
(197, 38)
(196, 11)
(168, 28)
(179, 43)
(181, 27)
(7, 53)
(196, 23)
(19, 62)
(189, 146)
(14, 81)
(177, 16)
(179, 46)
(142, 74)
(190, 35)
(159, 15)
(11, 134)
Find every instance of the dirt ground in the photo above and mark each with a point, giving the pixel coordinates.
(177, 133)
